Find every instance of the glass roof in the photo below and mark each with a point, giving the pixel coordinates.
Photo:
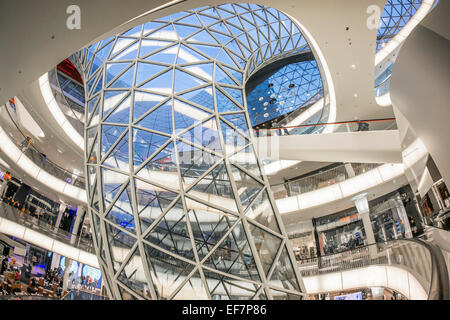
(289, 88)
(395, 16)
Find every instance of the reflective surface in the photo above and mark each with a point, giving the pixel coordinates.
(288, 89)
(179, 204)
(395, 16)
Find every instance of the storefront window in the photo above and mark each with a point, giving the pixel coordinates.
(73, 268)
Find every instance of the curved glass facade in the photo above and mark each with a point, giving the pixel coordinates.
(179, 204)
(395, 16)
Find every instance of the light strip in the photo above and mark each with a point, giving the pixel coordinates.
(58, 115)
(384, 173)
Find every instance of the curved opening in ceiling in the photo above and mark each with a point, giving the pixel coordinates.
(282, 90)
(228, 43)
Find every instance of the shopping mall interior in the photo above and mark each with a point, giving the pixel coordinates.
(202, 150)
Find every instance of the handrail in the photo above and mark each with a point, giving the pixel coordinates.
(36, 156)
(409, 254)
(28, 221)
(322, 124)
(323, 178)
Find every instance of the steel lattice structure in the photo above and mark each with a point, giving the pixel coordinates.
(395, 16)
(179, 205)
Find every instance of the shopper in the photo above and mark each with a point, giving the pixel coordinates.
(4, 265)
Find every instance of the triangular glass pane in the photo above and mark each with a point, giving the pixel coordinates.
(103, 52)
(160, 84)
(216, 188)
(262, 212)
(92, 103)
(283, 275)
(267, 246)
(166, 271)
(111, 100)
(201, 97)
(146, 71)
(151, 26)
(187, 55)
(224, 104)
(160, 119)
(120, 44)
(165, 56)
(184, 81)
(95, 118)
(208, 225)
(120, 244)
(171, 233)
(185, 31)
(235, 93)
(222, 77)
(121, 114)
(233, 140)
(210, 51)
(112, 181)
(129, 53)
(186, 115)
(193, 161)
(165, 33)
(236, 74)
(206, 135)
(224, 58)
(110, 134)
(191, 19)
(125, 80)
(203, 36)
(145, 144)
(162, 168)
(246, 159)
(239, 121)
(234, 256)
(119, 156)
(222, 38)
(133, 275)
(122, 212)
(149, 46)
(151, 202)
(203, 70)
(248, 187)
(225, 288)
(143, 102)
(98, 86)
(193, 289)
(113, 69)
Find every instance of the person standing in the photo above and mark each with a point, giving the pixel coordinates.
(4, 265)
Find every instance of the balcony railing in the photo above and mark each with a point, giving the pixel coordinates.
(40, 160)
(83, 242)
(320, 180)
(419, 258)
(341, 126)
